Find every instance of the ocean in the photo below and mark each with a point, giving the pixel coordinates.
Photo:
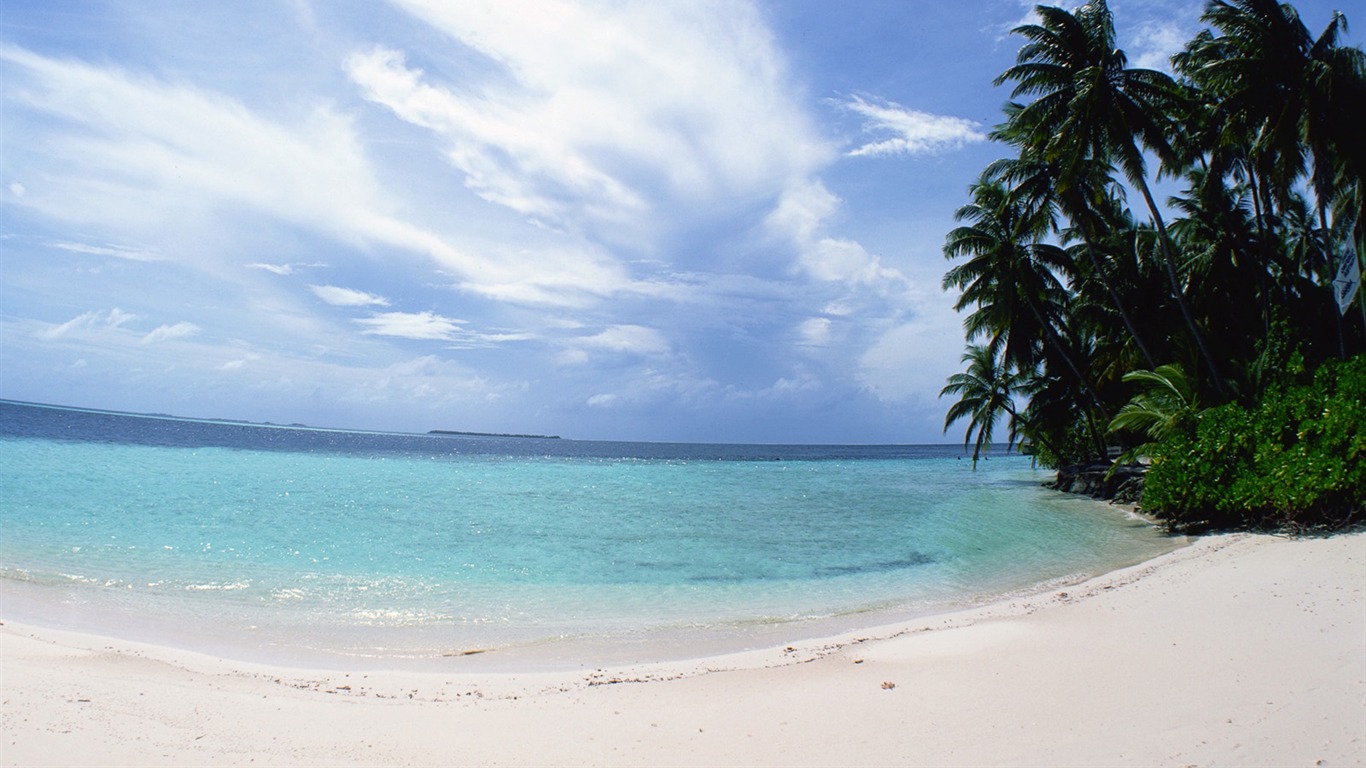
(329, 548)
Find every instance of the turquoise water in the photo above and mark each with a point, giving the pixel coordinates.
(409, 549)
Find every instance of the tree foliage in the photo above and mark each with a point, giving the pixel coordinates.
(1296, 461)
(1106, 326)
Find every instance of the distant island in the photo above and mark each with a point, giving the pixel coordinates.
(454, 433)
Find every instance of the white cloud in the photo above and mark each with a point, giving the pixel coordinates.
(82, 320)
(802, 211)
(284, 270)
(645, 142)
(800, 218)
(911, 360)
(179, 330)
(17, 189)
(118, 317)
(152, 139)
(814, 332)
(117, 251)
(279, 269)
(785, 388)
(347, 297)
(129, 152)
(429, 326)
(836, 260)
(604, 400)
(598, 114)
(1155, 42)
(912, 132)
(574, 356)
(631, 339)
(412, 325)
(93, 319)
(486, 134)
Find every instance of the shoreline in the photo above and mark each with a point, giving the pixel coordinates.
(288, 641)
(1239, 648)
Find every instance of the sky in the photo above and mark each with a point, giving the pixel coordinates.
(669, 220)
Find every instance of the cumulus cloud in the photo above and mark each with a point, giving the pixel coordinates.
(347, 297)
(179, 330)
(909, 131)
(800, 218)
(1155, 42)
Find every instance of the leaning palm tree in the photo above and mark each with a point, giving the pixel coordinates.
(1009, 276)
(1088, 199)
(1090, 105)
(986, 391)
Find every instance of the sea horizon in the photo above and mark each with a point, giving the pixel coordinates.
(448, 431)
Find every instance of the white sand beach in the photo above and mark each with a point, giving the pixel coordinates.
(1237, 650)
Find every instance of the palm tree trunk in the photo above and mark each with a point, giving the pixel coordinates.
(1119, 304)
(1058, 347)
(1164, 242)
(1097, 439)
(1328, 256)
(1085, 219)
(1259, 215)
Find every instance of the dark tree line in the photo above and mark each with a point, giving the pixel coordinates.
(1097, 316)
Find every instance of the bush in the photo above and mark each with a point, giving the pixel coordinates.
(1295, 462)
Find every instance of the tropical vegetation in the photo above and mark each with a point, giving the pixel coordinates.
(1199, 333)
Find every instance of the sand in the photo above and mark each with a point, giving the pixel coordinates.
(1237, 650)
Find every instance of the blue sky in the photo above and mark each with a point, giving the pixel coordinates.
(699, 221)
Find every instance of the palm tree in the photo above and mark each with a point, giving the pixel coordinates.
(986, 392)
(1283, 96)
(1285, 89)
(1089, 199)
(1009, 277)
(1226, 262)
(1334, 114)
(1090, 105)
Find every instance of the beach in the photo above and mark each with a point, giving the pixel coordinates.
(1237, 650)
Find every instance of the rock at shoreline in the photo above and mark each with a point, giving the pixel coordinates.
(1123, 486)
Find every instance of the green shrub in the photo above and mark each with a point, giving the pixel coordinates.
(1295, 462)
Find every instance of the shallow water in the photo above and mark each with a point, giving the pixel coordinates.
(317, 546)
